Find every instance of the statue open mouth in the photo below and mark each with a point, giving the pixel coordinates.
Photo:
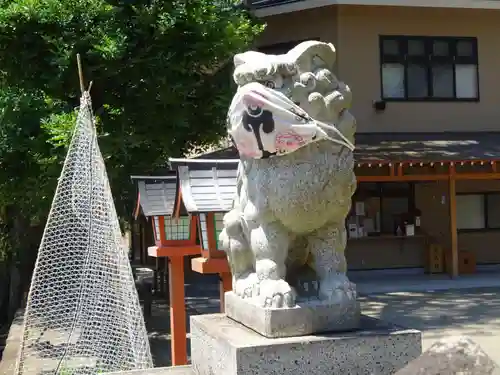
(254, 111)
(254, 99)
(254, 102)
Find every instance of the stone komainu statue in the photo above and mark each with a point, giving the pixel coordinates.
(288, 219)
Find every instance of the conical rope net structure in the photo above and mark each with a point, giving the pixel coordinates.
(83, 314)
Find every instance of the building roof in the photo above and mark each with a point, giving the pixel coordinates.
(206, 185)
(223, 153)
(311, 4)
(415, 147)
(258, 4)
(157, 194)
(427, 147)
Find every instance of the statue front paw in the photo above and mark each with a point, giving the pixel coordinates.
(247, 286)
(337, 288)
(276, 293)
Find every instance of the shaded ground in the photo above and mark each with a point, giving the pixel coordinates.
(3, 339)
(202, 297)
(471, 312)
(9, 357)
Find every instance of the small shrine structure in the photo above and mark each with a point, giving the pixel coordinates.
(175, 238)
(207, 188)
(186, 208)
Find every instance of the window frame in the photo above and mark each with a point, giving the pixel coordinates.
(484, 201)
(429, 60)
(385, 190)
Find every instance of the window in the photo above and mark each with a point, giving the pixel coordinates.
(219, 226)
(478, 211)
(385, 203)
(429, 68)
(470, 212)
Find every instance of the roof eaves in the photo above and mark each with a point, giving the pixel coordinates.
(156, 204)
(260, 4)
(199, 184)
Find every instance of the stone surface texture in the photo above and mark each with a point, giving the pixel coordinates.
(304, 319)
(11, 352)
(221, 346)
(176, 370)
(285, 236)
(450, 356)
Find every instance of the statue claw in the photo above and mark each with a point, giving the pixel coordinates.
(337, 288)
(247, 286)
(276, 293)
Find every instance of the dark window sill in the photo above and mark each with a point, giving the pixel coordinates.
(484, 230)
(431, 100)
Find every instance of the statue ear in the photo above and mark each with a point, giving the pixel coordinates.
(249, 57)
(311, 55)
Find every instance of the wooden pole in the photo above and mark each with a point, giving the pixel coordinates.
(80, 75)
(453, 222)
(177, 311)
(80, 72)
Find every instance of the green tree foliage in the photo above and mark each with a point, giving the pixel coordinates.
(28, 162)
(161, 83)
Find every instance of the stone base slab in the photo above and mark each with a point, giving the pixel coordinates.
(221, 346)
(176, 370)
(306, 318)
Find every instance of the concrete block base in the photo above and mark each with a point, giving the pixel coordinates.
(308, 317)
(221, 346)
(175, 370)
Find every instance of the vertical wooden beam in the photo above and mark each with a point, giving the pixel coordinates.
(155, 276)
(153, 228)
(161, 264)
(161, 224)
(143, 247)
(212, 242)
(193, 227)
(226, 285)
(453, 222)
(177, 311)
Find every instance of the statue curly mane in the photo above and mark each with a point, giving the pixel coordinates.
(288, 219)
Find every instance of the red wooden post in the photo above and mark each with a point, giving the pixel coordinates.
(177, 310)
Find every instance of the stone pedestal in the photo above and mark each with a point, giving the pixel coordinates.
(221, 346)
(308, 317)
